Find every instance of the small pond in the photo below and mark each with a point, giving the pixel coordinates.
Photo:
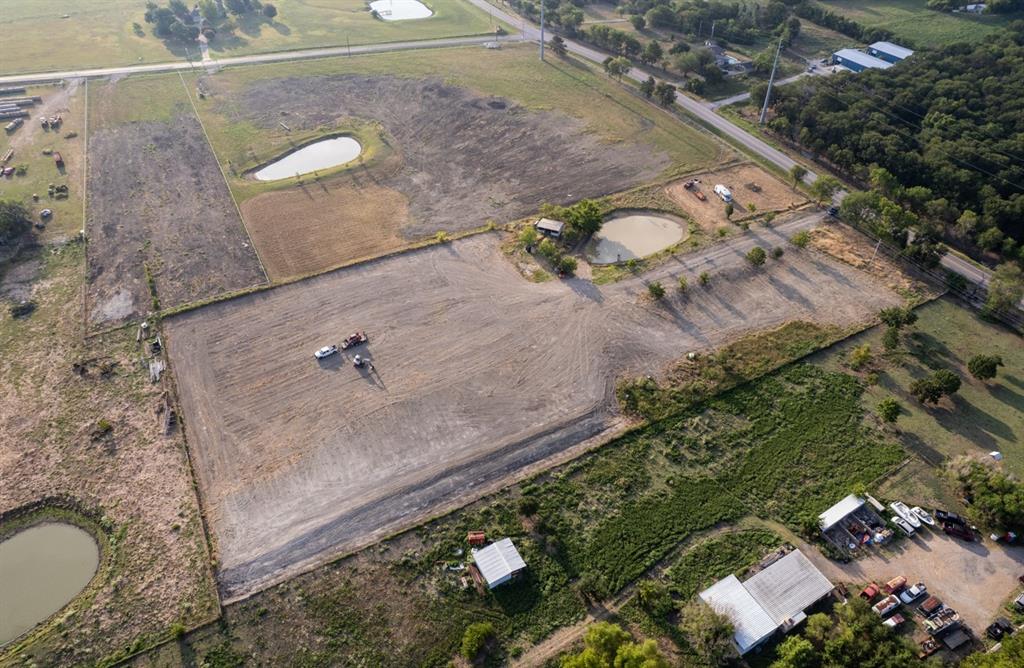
(630, 235)
(400, 10)
(318, 155)
(41, 569)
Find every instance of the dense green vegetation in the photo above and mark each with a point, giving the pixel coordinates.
(14, 220)
(1010, 655)
(946, 130)
(852, 637)
(996, 499)
(606, 645)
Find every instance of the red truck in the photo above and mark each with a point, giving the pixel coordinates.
(959, 531)
(58, 160)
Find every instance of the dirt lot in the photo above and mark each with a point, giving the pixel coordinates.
(974, 579)
(317, 225)
(158, 200)
(479, 373)
(465, 159)
(710, 214)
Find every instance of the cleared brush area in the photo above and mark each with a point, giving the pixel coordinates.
(300, 460)
(162, 227)
(497, 137)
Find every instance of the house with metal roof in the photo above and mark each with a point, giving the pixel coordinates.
(839, 512)
(858, 61)
(773, 599)
(889, 52)
(499, 562)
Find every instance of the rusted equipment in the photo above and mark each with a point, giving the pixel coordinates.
(476, 538)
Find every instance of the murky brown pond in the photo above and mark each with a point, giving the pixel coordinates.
(626, 236)
(41, 569)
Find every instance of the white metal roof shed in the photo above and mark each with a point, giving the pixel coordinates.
(498, 562)
(751, 622)
(788, 587)
(862, 59)
(894, 50)
(836, 513)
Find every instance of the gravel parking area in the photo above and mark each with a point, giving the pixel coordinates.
(479, 374)
(972, 578)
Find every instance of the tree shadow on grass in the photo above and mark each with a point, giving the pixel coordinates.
(917, 445)
(1004, 394)
(972, 423)
(931, 352)
(1013, 380)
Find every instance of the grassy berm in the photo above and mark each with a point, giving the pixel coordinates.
(781, 447)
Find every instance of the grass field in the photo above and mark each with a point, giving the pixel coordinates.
(99, 33)
(982, 416)
(912, 21)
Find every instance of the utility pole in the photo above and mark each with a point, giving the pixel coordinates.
(542, 29)
(771, 80)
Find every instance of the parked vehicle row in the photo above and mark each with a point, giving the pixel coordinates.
(911, 520)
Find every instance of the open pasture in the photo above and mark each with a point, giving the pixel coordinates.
(79, 34)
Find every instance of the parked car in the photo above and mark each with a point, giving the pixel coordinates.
(912, 594)
(833, 211)
(930, 606)
(959, 531)
(723, 192)
(886, 605)
(896, 584)
(870, 592)
(999, 628)
(326, 351)
(903, 525)
(953, 518)
(894, 621)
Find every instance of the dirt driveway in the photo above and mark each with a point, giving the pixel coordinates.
(479, 374)
(972, 578)
(753, 189)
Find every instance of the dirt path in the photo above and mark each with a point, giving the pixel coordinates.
(479, 374)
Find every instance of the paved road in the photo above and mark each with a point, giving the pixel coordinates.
(528, 32)
(706, 113)
(303, 54)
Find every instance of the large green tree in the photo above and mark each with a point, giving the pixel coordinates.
(14, 220)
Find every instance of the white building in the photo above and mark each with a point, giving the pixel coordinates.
(773, 599)
(889, 52)
(498, 562)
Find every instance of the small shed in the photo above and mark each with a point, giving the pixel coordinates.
(858, 61)
(889, 52)
(840, 511)
(499, 562)
(550, 228)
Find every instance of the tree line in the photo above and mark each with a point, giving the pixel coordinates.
(941, 136)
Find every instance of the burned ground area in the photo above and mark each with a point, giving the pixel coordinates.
(160, 220)
(466, 158)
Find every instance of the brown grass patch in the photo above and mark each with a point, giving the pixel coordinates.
(320, 225)
(855, 250)
(753, 189)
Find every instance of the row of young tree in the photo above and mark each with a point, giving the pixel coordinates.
(940, 139)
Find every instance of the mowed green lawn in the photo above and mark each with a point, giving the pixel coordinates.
(513, 72)
(99, 33)
(914, 22)
(982, 416)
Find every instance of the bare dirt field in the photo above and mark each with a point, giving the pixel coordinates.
(479, 373)
(158, 200)
(307, 228)
(465, 159)
(972, 578)
(768, 194)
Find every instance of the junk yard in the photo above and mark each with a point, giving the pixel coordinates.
(424, 346)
